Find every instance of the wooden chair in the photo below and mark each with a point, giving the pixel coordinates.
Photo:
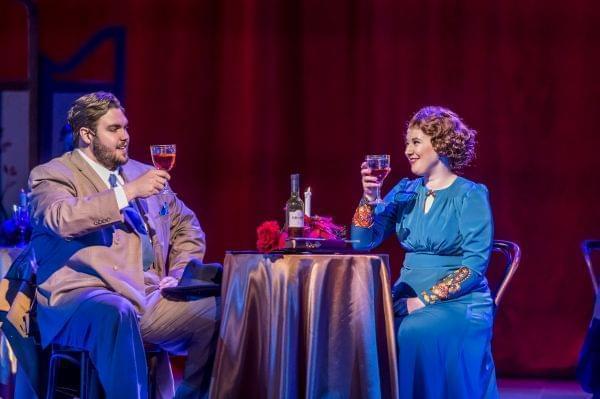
(89, 385)
(588, 366)
(587, 247)
(512, 255)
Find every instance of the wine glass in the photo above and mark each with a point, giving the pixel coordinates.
(163, 158)
(21, 218)
(380, 168)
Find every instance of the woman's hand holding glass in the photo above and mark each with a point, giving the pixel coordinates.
(374, 170)
(370, 183)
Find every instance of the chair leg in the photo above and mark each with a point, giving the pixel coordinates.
(152, 364)
(90, 383)
(51, 378)
(84, 376)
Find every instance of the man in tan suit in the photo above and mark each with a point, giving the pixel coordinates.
(106, 244)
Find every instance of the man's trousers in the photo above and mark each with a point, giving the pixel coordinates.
(108, 326)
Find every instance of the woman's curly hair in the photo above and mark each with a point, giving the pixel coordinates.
(450, 136)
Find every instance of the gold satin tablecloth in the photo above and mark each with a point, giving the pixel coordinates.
(305, 326)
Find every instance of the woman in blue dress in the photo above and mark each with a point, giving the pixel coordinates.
(442, 304)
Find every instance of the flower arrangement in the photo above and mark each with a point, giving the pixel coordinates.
(270, 236)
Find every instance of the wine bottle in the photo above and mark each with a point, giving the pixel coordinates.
(294, 210)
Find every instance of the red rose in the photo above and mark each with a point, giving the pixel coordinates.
(268, 235)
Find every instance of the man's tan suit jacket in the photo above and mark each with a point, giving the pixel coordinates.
(83, 245)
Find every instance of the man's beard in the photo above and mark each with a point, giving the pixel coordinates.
(108, 157)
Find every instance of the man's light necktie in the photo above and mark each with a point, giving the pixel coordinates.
(133, 217)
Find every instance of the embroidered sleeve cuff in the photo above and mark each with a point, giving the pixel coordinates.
(121, 197)
(364, 214)
(448, 287)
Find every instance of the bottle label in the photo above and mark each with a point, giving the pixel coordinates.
(296, 219)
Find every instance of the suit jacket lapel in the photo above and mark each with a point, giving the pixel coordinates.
(85, 168)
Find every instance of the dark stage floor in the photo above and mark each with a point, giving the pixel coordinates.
(540, 389)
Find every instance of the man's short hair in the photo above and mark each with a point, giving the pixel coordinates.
(87, 109)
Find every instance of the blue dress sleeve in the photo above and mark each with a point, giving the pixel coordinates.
(372, 225)
(476, 228)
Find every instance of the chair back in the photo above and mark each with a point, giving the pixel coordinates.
(512, 256)
(587, 247)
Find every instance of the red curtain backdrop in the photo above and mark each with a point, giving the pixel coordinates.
(253, 90)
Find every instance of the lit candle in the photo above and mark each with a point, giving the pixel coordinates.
(307, 198)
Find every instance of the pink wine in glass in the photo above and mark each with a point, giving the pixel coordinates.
(163, 158)
(380, 174)
(380, 168)
(164, 161)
